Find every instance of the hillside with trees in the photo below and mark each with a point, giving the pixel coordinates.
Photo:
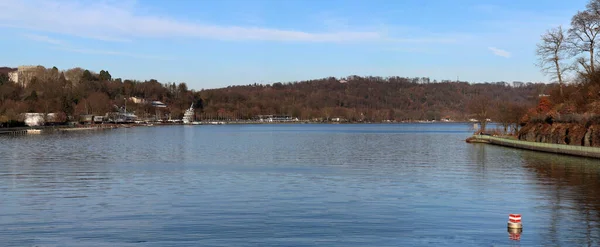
(76, 92)
(372, 99)
(570, 114)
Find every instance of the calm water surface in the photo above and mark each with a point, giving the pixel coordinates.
(290, 185)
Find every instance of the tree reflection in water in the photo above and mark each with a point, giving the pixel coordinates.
(573, 186)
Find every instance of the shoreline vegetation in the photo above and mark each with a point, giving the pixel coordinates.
(78, 95)
(567, 116)
(565, 112)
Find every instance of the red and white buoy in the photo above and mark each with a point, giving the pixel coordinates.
(514, 221)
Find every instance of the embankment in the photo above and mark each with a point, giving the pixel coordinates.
(592, 152)
(561, 133)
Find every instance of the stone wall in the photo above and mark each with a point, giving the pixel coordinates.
(561, 133)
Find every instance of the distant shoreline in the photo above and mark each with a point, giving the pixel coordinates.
(55, 128)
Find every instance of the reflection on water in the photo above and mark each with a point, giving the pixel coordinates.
(290, 185)
(515, 234)
(573, 184)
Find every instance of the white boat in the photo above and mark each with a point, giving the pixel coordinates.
(188, 116)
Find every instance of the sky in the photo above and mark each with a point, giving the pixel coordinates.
(217, 43)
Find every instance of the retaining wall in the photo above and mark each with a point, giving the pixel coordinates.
(592, 152)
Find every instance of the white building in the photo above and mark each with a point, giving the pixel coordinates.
(137, 100)
(13, 76)
(37, 119)
(158, 104)
(24, 74)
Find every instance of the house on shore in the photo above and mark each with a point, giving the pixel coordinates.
(40, 119)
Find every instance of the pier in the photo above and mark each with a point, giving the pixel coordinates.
(15, 131)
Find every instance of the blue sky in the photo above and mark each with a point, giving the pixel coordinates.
(216, 43)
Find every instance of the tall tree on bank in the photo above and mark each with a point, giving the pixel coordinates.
(551, 52)
(479, 107)
(583, 35)
(509, 114)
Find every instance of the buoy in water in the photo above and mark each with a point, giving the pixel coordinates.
(514, 221)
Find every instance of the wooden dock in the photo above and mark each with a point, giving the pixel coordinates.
(22, 130)
(14, 131)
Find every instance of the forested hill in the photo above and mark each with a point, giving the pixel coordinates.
(366, 98)
(76, 92)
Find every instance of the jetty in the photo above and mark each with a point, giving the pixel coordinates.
(20, 131)
(60, 128)
(582, 151)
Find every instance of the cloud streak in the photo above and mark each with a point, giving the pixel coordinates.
(42, 38)
(108, 52)
(499, 52)
(65, 46)
(114, 22)
(118, 21)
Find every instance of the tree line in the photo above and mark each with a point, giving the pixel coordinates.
(566, 54)
(77, 91)
(371, 99)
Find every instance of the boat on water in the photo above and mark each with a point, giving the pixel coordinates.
(188, 116)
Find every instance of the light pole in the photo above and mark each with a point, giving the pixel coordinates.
(125, 115)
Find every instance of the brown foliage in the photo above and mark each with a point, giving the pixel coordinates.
(544, 105)
(481, 109)
(78, 91)
(510, 114)
(364, 98)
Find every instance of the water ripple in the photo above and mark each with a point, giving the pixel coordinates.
(289, 185)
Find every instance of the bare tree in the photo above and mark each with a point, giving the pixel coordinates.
(583, 34)
(594, 7)
(509, 115)
(481, 109)
(74, 75)
(517, 112)
(98, 103)
(503, 115)
(551, 52)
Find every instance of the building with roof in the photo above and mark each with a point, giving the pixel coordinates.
(158, 104)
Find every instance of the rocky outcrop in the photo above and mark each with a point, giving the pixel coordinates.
(561, 133)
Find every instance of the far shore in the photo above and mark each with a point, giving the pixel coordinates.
(76, 127)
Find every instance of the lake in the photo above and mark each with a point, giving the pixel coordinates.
(290, 185)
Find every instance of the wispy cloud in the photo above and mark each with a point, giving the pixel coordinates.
(108, 52)
(111, 21)
(88, 51)
(42, 38)
(117, 21)
(499, 52)
(420, 50)
(66, 46)
(441, 40)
